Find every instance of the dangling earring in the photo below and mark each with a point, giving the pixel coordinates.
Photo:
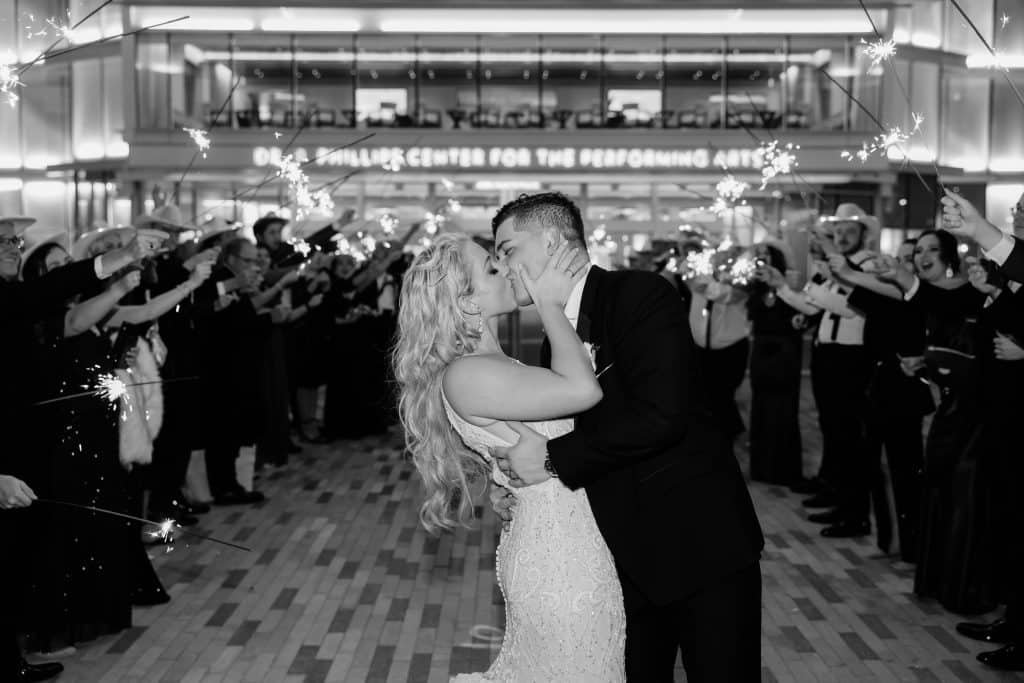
(480, 326)
(949, 272)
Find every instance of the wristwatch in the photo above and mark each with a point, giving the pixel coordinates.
(548, 468)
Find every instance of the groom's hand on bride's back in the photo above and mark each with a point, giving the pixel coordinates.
(523, 463)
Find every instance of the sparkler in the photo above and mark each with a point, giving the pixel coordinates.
(301, 247)
(306, 200)
(201, 138)
(881, 50)
(10, 81)
(777, 160)
(729, 191)
(111, 388)
(700, 263)
(388, 222)
(742, 270)
(164, 529)
(1004, 20)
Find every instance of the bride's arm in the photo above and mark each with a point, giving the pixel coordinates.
(493, 388)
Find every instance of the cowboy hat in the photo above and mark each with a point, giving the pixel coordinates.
(167, 217)
(212, 229)
(261, 225)
(20, 223)
(35, 240)
(82, 248)
(850, 212)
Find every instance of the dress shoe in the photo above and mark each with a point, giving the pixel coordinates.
(821, 500)
(28, 673)
(1008, 658)
(999, 631)
(239, 497)
(826, 517)
(847, 530)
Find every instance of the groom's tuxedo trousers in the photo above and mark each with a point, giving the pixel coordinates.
(668, 497)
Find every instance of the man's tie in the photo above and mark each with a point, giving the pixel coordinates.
(708, 310)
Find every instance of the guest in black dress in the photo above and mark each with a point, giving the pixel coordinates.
(957, 543)
(776, 454)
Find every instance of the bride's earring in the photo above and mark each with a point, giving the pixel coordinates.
(949, 272)
(480, 325)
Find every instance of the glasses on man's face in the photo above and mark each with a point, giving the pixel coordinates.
(15, 243)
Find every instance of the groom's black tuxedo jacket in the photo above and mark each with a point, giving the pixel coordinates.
(668, 497)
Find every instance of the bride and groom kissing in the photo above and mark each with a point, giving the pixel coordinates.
(631, 535)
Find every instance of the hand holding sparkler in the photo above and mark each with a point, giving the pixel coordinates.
(200, 273)
(840, 266)
(770, 275)
(14, 493)
(892, 271)
(208, 255)
(961, 218)
(1006, 349)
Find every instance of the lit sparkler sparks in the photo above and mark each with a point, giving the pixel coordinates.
(165, 530)
(306, 200)
(448, 185)
(1004, 20)
(700, 263)
(729, 191)
(111, 388)
(879, 51)
(894, 137)
(742, 270)
(301, 247)
(200, 137)
(454, 205)
(777, 160)
(388, 223)
(10, 81)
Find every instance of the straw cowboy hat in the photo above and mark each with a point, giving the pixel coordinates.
(83, 246)
(214, 228)
(37, 239)
(20, 223)
(850, 212)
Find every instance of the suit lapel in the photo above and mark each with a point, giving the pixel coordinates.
(591, 315)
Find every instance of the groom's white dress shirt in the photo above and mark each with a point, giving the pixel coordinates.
(572, 306)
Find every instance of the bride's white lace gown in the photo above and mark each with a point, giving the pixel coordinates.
(563, 602)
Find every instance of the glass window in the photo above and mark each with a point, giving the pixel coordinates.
(204, 80)
(385, 80)
(265, 64)
(924, 99)
(572, 80)
(812, 100)
(446, 87)
(919, 23)
(113, 108)
(895, 111)
(1008, 154)
(88, 131)
(693, 88)
(152, 81)
(510, 83)
(634, 71)
(1010, 38)
(325, 77)
(965, 120)
(754, 69)
(960, 37)
(45, 119)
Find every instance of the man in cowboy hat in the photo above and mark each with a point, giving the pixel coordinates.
(840, 370)
(21, 306)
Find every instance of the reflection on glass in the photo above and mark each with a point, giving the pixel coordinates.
(694, 77)
(1008, 155)
(324, 79)
(152, 80)
(44, 104)
(386, 75)
(965, 101)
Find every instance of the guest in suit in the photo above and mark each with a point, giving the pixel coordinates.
(653, 465)
(229, 326)
(776, 454)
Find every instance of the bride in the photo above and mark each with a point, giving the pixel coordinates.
(460, 397)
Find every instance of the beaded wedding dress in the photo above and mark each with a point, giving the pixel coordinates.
(563, 603)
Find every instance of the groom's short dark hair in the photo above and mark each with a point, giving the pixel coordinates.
(548, 209)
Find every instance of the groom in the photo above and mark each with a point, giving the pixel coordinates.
(670, 501)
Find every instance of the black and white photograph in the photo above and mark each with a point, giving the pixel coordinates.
(513, 341)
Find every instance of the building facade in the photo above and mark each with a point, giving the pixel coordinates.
(637, 112)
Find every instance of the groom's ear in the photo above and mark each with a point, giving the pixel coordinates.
(551, 240)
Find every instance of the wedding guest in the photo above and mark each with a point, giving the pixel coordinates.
(776, 454)
(230, 360)
(720, 329)
(840, 369)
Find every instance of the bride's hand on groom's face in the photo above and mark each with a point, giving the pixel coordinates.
(555, 282)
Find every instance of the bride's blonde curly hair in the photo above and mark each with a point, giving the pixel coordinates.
(433, 332)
